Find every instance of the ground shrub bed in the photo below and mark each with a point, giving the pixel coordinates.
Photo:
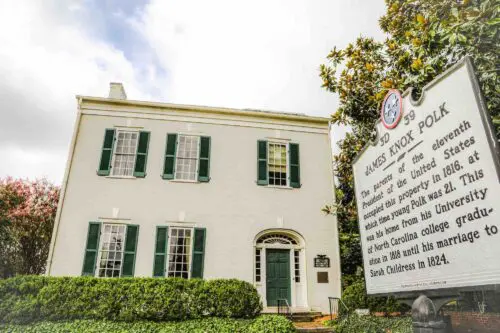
(371, 324)
(355, 297)
(263, 324)
(271, 324)
(26, 299)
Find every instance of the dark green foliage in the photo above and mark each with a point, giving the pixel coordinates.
(29, 298)
(27, 214)
(370, 324)
(231, 298)
(271, 324)
(354, 297)
(350, 255)
(424, 38)
(264, 324)
(19, 298)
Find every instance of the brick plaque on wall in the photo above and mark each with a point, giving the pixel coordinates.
(322, 277)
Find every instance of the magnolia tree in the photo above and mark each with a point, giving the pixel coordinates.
(424, 38)
(27, 213)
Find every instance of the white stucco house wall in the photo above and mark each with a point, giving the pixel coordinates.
(156, 189)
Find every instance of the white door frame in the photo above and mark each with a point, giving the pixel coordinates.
(300, 245)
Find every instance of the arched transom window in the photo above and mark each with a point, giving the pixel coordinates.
(276, 239)
(282, 240)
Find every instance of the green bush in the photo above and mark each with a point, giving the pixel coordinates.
(237, 299)
(19, 297)
(208, 325)
(271, 324)
(354, 297)
(28, 298)
(370, 324)
(263, 324)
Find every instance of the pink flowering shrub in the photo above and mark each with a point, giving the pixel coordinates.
(27, 214)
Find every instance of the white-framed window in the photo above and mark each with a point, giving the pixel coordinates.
(180, 241)
(111, 247)
(276, 238)
(296, 262)
(124, 153)
(258, 265)
(277, 164)
(186, 163)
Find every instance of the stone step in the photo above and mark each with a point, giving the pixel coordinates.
(303, 319)
(305, 316)
(310, 313)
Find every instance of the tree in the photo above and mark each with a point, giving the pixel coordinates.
(7, 200)
(424, 38)
(27, 214)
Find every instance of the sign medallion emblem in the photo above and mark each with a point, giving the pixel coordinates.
(392, 109)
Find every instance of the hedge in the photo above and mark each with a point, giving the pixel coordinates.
(371, 324)
(263, 324)
(354, 297)
(26, 299)
(271, 324)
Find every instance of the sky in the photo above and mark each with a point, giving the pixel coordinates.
(260, 54)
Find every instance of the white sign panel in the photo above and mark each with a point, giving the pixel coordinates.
(428, 191)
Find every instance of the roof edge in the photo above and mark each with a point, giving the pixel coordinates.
(209, 109)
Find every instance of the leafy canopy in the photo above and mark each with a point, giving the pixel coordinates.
(27, 213)
(424, 38)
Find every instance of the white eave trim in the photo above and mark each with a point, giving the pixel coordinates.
(295, 117)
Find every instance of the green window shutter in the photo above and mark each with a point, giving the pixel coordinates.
(198, 253)
(142, 155)
(91, 248)
(204, 162)
(169, 163)
(128, 264)
(107, 152)
(160, 258)
(294, 165)
(262, 162)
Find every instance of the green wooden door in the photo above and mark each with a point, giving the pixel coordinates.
(277, 276)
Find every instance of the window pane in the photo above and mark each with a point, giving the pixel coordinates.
(297, 265)
(277, 164)
(124, 155)
(179, 256)
(257, 265)
(187, 157)
(111, 250)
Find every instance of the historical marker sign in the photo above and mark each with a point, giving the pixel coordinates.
(428, 191)
(322, 260)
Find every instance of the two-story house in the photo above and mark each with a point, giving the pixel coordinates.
(164, 190)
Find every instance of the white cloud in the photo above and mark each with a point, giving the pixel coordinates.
(256, 54)
(33, 164)
(45, 60)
